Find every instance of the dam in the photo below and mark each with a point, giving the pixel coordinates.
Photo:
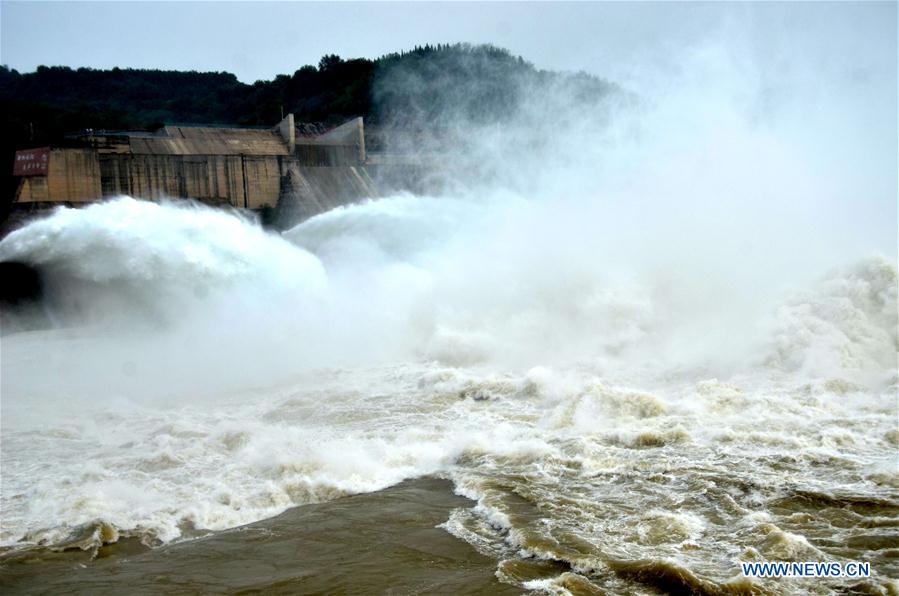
(296, 170)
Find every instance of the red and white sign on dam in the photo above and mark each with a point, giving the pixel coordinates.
(31, 162)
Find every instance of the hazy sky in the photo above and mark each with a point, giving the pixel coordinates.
(257, 40)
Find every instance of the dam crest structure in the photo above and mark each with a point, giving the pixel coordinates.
(287, 173)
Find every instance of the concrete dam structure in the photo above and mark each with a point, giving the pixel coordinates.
(299, 170)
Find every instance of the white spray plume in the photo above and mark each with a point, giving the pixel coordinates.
(558, 311)
(656, 228)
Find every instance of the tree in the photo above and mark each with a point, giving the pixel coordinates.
(328, 62)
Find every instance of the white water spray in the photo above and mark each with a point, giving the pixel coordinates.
(690, 273)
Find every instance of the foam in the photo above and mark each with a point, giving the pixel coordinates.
(639, 330)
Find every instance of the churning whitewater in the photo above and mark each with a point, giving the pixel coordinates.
(203, 373)
(651, 336)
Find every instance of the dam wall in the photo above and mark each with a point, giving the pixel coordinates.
(308, 191)
(72, 176)
(297, 175)
(79, 176)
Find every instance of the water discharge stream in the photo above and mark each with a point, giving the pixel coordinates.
(661, 344)
(228, 374)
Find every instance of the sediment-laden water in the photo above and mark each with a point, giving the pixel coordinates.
(612, 431)
(637, 340)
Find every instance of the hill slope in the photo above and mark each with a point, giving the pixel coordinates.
(432, 85)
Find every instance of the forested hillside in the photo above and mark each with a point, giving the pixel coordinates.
(436, 85)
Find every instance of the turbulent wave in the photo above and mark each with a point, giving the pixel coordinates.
(848, 322)
(660, 358)
(158, 437)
